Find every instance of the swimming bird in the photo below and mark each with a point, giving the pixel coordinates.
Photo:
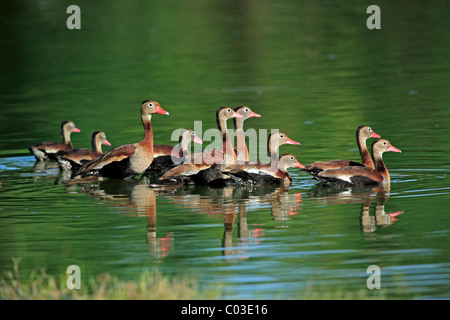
(264, 174)
(74, 158)
(204, 168)
(361, 175)
(166, 156)
(240, 147)
(129, 160)
(47, 150)
(362, 134)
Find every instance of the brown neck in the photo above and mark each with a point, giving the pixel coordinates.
(288, 178)
(241, 146)
(365, 155)
(97, 145)
(285, 176)
(65, 135)
(147, 142)
(380, 167)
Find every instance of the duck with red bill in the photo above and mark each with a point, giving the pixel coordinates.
(74, 158)
(129, 160)
(166, 156)
(275, 141)
(47, 150)
(362, 134)
(240, 146)
(204, 167)
(361, 175)
(264, 174)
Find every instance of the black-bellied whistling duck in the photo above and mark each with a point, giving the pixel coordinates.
(204, 168)
(47, 150)
(130, 160)
(74, 158)
(362, 134)
(205, 173)
(166, 156)
(263, 174)
(275, 141)
(361, 175)
(240, 147)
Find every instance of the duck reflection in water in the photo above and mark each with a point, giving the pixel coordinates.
(133, 198)
(363, 195)
(282, 205)
(233, 203)
(380, 218)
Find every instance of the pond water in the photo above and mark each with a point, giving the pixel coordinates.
(311, 69)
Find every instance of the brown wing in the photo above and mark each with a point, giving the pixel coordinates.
(78, 155)
(185, 170)
(207, 157)
(256, 168)
(52, 147)
(352, 174)
(325, 165)
(316, 167)
(162, 150)
(117, 154)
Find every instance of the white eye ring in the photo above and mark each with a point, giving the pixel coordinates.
(192, 133)
(150, 104)
(292, 158)
(369, 129)
(385, 143)
(281, 136)
(228, 110)
(246, 110)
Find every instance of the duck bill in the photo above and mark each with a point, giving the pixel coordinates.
(161, 110)
(76, 129)
(197, 140)
(393, 149)
(299, 165)
(254, 114)
(290, 141)
(375, 135)
(106, 142)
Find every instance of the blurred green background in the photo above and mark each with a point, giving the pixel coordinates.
(312, 69)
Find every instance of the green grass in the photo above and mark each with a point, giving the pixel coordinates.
(38, 285)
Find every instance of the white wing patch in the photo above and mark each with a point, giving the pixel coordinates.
(253, 170)
(345, 178)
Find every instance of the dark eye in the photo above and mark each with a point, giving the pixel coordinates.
(192, 133)
(292, 158)
(281, 136)
(150, 104)
(369, 129)
(385, 143)
(228, 110)
(246, 110)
